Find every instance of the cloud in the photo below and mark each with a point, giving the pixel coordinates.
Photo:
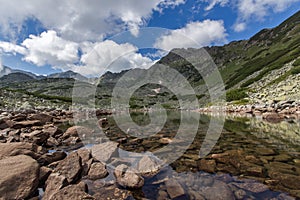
(7, 47)
(108, 55)
(195, 34)
(261, 8)
(49, 48)
(213, 3)
(254, 10)
(239, 27)
(79, 20)
(94, 58)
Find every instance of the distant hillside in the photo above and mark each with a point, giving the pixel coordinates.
(16, 77)
(268, 59)
(7, 70)
(68, 74)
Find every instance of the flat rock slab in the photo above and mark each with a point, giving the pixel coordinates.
(103, 152)
(19, 177)
(16, 148)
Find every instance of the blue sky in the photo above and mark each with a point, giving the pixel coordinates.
(91, 37)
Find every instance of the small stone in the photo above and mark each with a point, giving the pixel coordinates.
(265, 151)
(97, 171)
(255, 171)
(207, 165)
(240, 194)
(149, 166)
(128, 177)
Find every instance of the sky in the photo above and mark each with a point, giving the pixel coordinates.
(94, 36)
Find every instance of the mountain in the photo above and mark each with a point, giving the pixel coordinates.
(264, 68)
(260, 70)
(4, 70)
(68, 74)
(15, 77)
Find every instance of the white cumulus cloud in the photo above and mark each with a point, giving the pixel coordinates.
(255, 10)
(8, 47)
(49, 48)
(109, 55)
(195, 34)
(79, 20)
(95, 58)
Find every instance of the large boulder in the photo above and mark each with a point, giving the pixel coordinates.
(19, 177)
(70, 167)
(17, 148)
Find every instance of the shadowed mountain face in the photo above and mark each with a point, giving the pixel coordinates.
(262, 69)
(68, 74)
(15, 77)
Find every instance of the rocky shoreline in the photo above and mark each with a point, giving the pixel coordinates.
(273, 112)
(40, 158)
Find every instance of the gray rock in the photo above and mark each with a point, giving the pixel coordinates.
(174, 189)
(149, 166)
(252, 187)
(104, 151)
(128, 177)
(218, 191)
(97, 171)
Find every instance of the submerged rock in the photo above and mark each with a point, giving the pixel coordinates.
(174, 189)
(105, 151)
(128, 177)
